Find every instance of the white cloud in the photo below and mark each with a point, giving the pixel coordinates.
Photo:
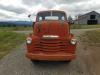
(19, 9)
(11, 2)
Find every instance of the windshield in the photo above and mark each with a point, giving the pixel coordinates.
(51, 15)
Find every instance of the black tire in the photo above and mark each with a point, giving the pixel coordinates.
(68, 61)
(34, 61)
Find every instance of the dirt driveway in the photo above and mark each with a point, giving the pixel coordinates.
(16, 63)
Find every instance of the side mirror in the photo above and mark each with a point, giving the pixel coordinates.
(29, 15)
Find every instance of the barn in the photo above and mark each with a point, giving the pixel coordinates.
(90, 18)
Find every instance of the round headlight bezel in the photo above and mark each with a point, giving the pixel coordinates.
(73, 41)
(29, 40)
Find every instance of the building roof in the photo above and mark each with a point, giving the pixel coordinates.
(85, 15)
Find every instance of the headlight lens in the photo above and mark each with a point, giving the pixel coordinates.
(73, 41)
(29, 40)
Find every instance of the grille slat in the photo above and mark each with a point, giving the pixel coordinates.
(51, 45)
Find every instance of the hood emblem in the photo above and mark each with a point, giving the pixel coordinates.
(50, 36)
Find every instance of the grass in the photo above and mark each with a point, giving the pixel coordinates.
(84, 26)
(9, 40)
(92, 37)
(19, 28)
(22, 28)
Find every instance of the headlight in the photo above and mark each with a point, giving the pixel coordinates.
(73, 41)
(29, 40)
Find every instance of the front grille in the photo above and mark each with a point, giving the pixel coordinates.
(51, 45)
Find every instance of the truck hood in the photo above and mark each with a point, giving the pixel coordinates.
(53, 28)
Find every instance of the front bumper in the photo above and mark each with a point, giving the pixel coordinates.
(51, 57)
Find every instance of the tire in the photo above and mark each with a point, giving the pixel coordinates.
(68, 61)
(34, 61)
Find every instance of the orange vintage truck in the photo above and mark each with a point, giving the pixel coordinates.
(51, 40)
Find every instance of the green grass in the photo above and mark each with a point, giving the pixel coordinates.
(84, 26)
(19, 28)
(92, 37)
(9, 40)
(22, 28)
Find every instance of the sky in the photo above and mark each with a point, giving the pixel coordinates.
(20, 9)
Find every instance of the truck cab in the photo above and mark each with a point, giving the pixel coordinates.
(51, 39)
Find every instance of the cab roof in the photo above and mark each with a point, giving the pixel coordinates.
(51, 11)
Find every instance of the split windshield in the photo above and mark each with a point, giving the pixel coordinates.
(51, 15)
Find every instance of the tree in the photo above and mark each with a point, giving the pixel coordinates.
(70, 19)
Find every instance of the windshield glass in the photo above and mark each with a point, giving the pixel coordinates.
(51, 15)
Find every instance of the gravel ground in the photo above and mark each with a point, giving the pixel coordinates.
(16, 63)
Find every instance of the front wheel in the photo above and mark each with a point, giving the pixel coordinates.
(69, 61)
(34, 61)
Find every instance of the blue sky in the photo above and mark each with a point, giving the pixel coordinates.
(19, 9)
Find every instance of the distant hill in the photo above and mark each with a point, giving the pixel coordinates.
(16, 23)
